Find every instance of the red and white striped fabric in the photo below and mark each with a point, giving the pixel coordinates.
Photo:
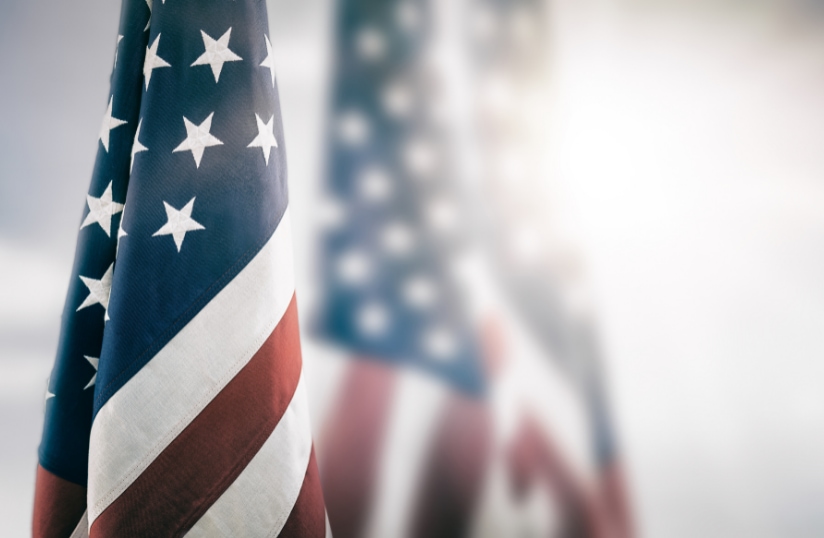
(217, 422)
(404, 455)
(213, 434)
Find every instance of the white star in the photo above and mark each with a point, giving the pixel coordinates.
(198, 138)
(442, 215)
(217, 53)
(269, 61)
(397, 100)
(49, 394)
(101, 210)
(137, 147)
(117, 46)
(408, 16)
(374, 185)
(108, 124)
(353, 128)
(152, 61)
(373, 320)
(93, 361)
(397, 239)
(120, 233)
(420, 158)
(178, 222)
(419, 292)
(370, 44)
(354, 267)
(148, 22)
(99, 290)
(265, 138)
(440, 344)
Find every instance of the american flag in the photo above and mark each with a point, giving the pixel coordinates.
(394, 205)
(403, 455)
(177, 401)
(540, 273)
(404, 445)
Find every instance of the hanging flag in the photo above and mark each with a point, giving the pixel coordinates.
(395, 219)
(539, 272)
(177, 400)
(405, 446)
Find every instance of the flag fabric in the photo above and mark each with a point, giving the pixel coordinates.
(403, 446)
(539, 272)
(394, 225)
(177, 400)
(403, 455)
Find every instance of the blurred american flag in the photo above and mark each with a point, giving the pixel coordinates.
(432, 432)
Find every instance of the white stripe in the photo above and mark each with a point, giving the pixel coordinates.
(328, 527)
(259, 501)
(534, 384)
(412, 425)
(82, 528)
(142, 418)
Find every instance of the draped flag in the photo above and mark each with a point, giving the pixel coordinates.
(435, 103)
(388, 290)
(177, 401)
(404, 448)
(539, 273)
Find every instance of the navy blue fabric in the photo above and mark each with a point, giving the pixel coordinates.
(239, 200)
(358, 85)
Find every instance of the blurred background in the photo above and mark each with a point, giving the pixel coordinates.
(683, 164)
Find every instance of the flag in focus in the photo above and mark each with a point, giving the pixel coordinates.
(177, 400)
(474, 403)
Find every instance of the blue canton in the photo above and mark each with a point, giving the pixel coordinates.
(395, 225)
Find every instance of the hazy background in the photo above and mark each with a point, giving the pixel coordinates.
(687, 148)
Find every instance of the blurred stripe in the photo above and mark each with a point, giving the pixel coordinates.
(455, 471)
(355, 431)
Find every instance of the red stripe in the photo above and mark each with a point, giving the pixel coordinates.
(615, 502)
(182, 483)
(455, 471)
(352, 445)
(308, 516)
(534, 461)
(58, 505)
